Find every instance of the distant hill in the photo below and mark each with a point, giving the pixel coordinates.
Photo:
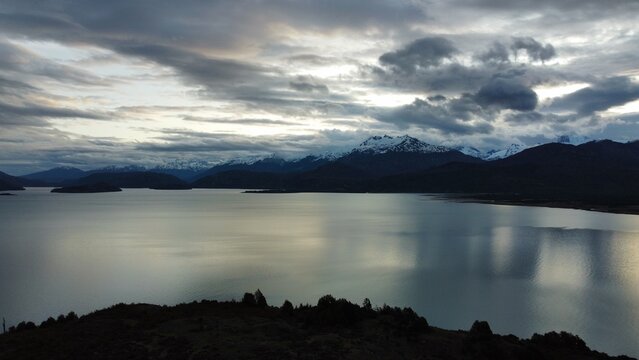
(270, 164)
(135, 179)
(603, 170)
(374, 158)
(56, 175)
(598, 172)
(8, 182)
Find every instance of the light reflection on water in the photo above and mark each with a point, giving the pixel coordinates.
(523, 269)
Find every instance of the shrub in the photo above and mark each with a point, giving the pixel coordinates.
(287, 307)
(48, 322)
(326, 301)
(367, 304)
(561, 340)
(260, 299)
(249, 299)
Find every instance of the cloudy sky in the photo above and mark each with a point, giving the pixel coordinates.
(90, 83)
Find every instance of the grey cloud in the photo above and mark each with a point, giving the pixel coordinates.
(24, 63)
(452, 117)
(496, 53)
(599, 96)
(525, 117)
(197, 67)
(195, 24)
(535, 50)
(534, 117)
(437, 98)
(239, 121)
(594, 6)
(307, 84)
(507, 94)
(419, 54)
(188, 141)
(455, 77)
(313, 59)
(36, 115)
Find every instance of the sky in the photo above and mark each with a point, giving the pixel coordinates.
(90, 83)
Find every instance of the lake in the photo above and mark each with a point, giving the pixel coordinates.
(523, 269)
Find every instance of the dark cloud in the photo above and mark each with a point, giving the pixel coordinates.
(36, 115)
(197, 24)
(196, 67)
(535, 50)
(527, 117)
(454, 76)
(599, 96)
(452, 117)
(437, 98)
(419, 54)
(224, 145)
(497, 53)
(534, 117)
(17, 60)
(507, 94)
(307, 84)
(594, 6)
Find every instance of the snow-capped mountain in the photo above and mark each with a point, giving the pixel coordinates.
(118, 168)
(181, 164)
(384, 144)
(471, 151)
(512, 149)
(572, 139)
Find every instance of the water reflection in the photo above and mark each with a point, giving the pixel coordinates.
(523, 269)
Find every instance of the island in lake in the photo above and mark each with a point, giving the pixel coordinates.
(251, 329)
(92, 188)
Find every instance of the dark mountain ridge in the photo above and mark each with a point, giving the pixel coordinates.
(56, 175)
(136, 179)
(8, 182)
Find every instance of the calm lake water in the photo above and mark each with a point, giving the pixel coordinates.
(523, 269)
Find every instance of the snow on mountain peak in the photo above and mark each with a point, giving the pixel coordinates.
(469, 150)
(182, 164)
(119, 168)
(504, 153)
(405, 143)
(572, 139)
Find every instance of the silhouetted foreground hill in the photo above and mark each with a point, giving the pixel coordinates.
(250, 329)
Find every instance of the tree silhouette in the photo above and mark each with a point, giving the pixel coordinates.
(260, 299)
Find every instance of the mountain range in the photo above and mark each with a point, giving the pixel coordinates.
(190, 170)
(604, 171)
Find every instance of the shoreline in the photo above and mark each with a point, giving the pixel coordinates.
(556, 204)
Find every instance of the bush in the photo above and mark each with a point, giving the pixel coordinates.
(560, 340)
(326, 301)
(287, 307)
(367, 304)
(72, 316)
(260, 299)
(48, 322)
(480, 328)
(249, 299)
